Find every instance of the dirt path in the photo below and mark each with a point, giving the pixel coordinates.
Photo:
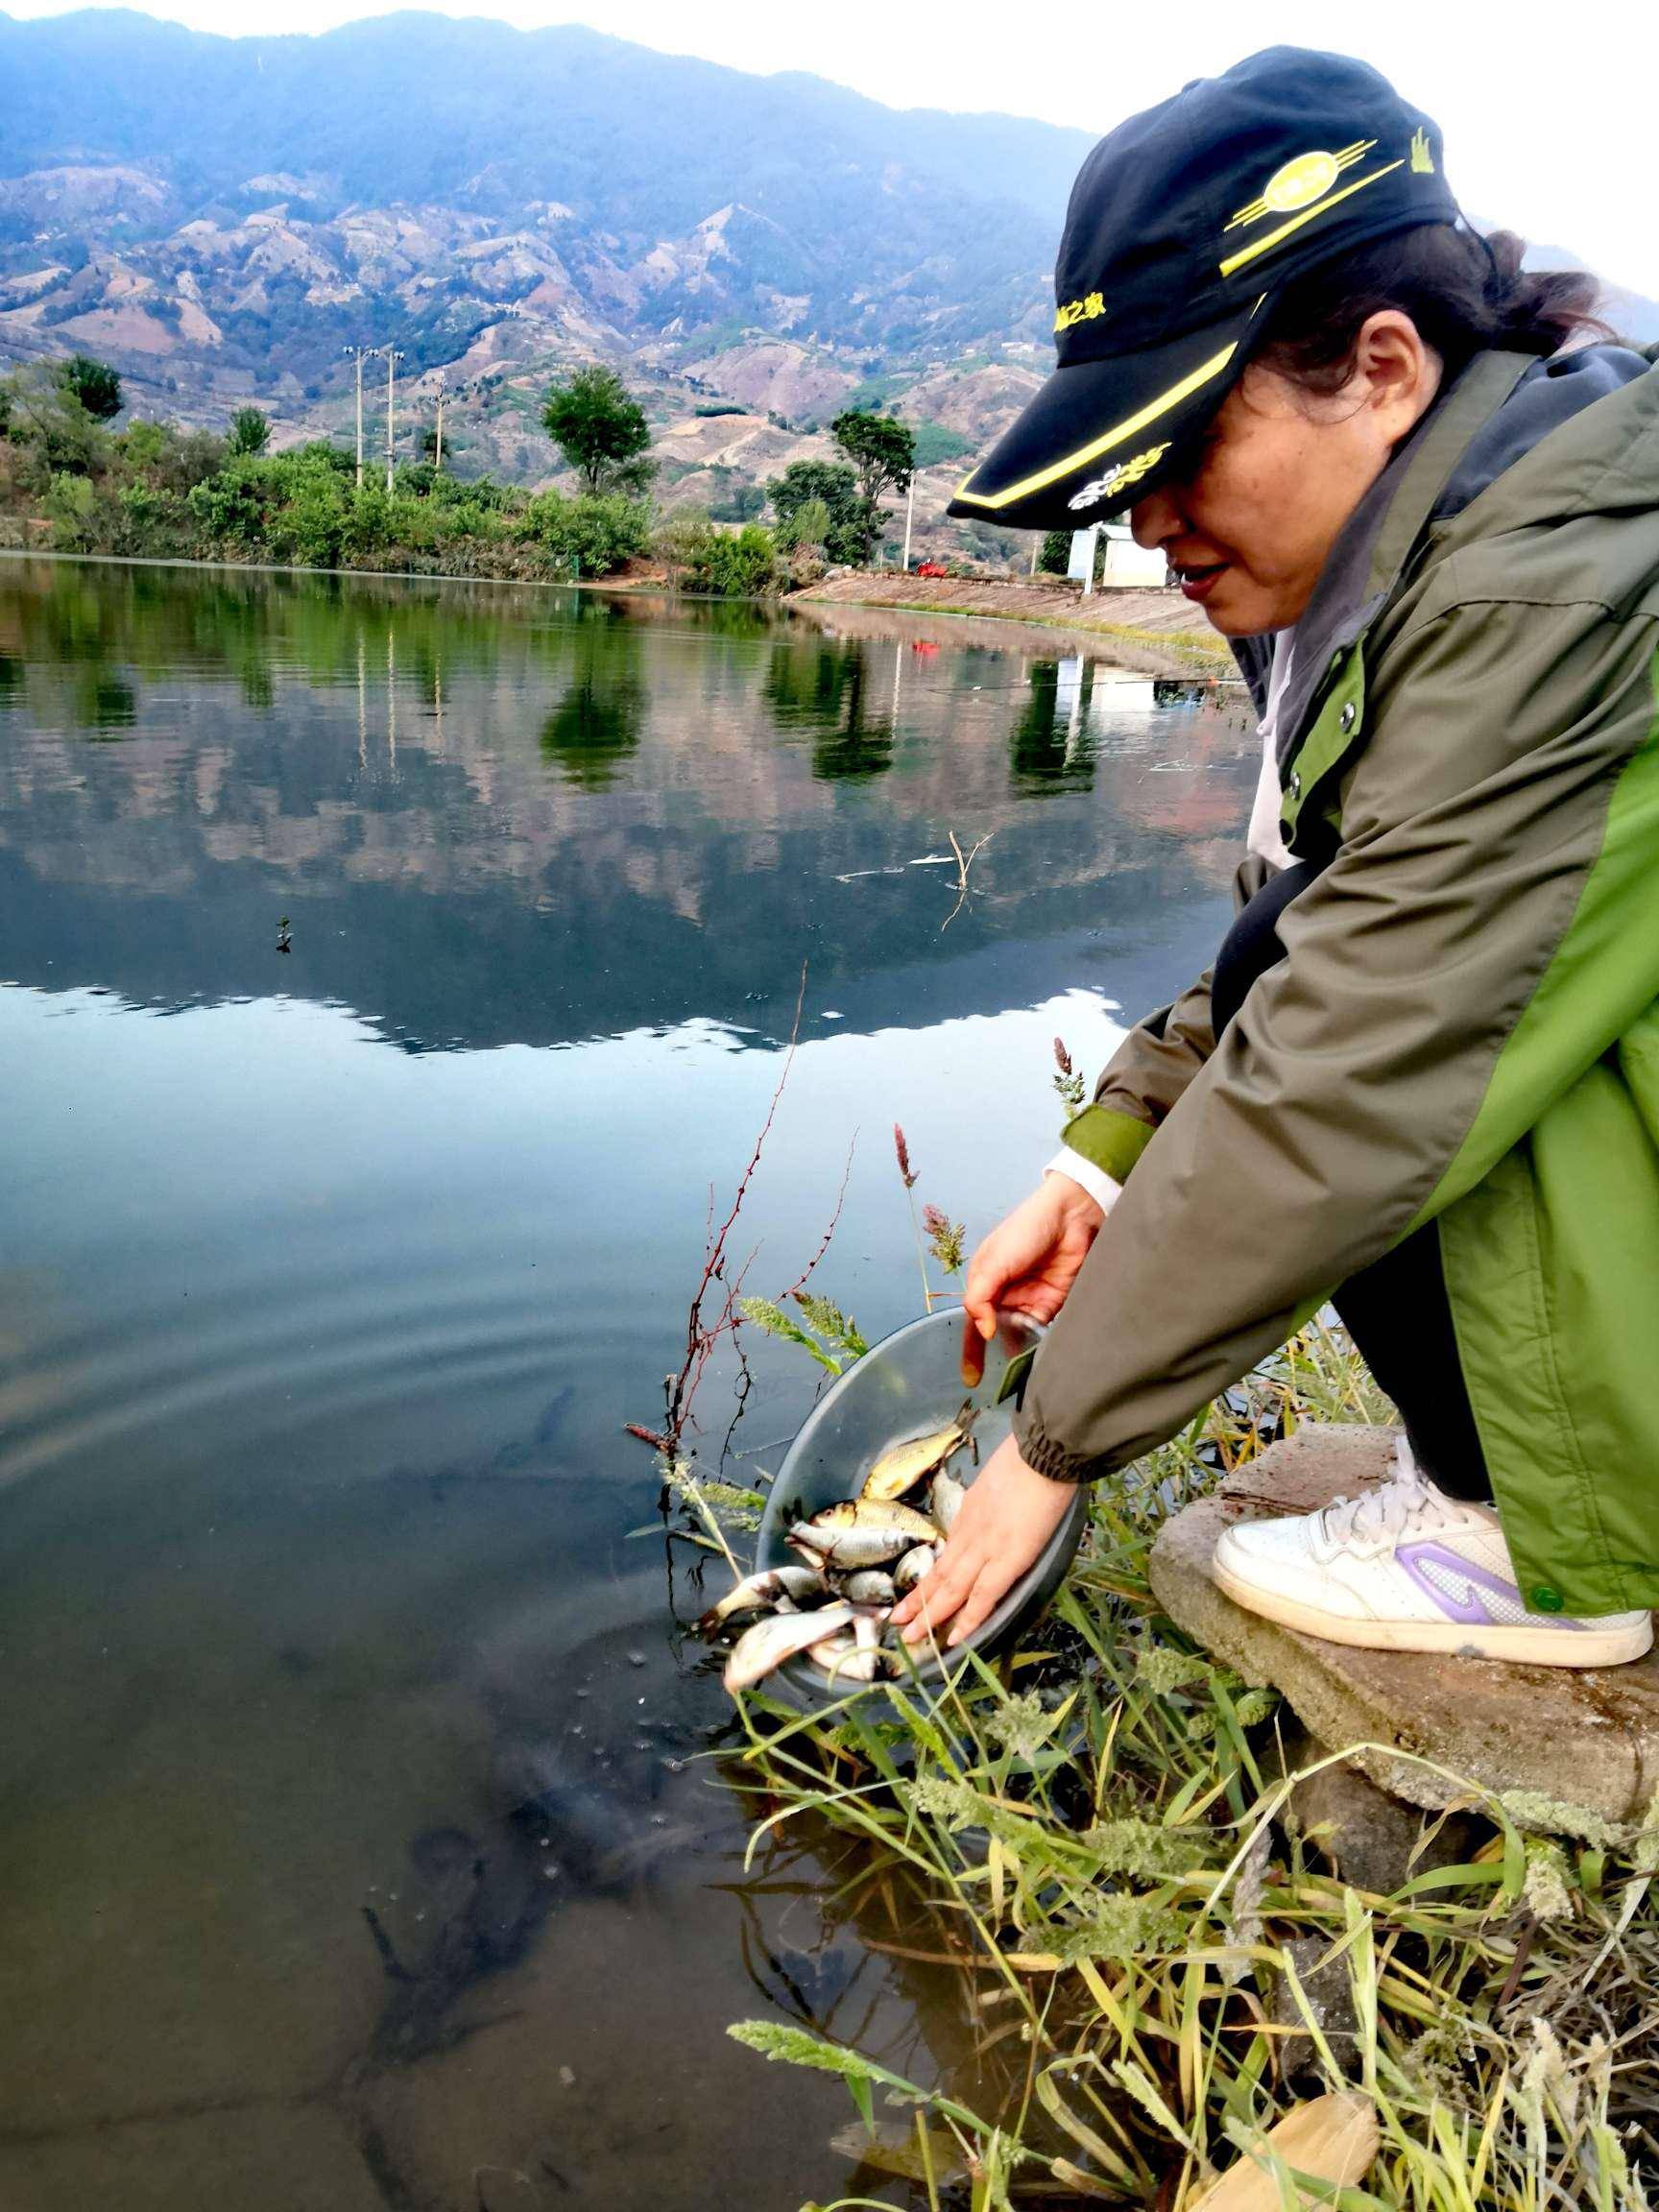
(1156, 632)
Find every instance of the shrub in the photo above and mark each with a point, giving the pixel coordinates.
(69, 503)
(594, 535)
(732, 565)
(314, 519)
(230, 505)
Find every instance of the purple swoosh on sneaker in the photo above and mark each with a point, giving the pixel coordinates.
(1473, 1607)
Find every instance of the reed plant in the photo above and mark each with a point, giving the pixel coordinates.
(1098, 1831)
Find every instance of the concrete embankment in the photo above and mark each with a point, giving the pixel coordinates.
(1159, 632)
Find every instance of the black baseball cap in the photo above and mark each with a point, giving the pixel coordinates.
(1183, 224)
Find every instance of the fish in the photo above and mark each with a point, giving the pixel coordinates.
(945, 1500)
(857, 1657)
(909, 1571)
(860, 1532)
(760, 1649)
(833, 1650)
(780, 1587)
(875, 1665)
(901, 1468)
(870, 1586)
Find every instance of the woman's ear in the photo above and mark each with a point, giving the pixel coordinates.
(1396, 374)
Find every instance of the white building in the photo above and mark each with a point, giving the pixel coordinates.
(1126, 565)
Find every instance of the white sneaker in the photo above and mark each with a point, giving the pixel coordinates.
(1408, 1569)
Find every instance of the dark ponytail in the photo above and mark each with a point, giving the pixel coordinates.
(1463, 292)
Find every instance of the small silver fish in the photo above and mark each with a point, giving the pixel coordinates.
(875, 1665)
(834, 1651)
(945, 1500)
(779, 1587)
(870, 1586)
(860, 1532)
(760, 1649)
(916, 1563)
(858, 1657)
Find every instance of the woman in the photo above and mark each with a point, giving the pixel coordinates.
(1422, 1079)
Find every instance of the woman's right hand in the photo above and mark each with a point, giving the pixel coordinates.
(1030, 1261)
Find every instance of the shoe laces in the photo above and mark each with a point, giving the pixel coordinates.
(1383, 1515)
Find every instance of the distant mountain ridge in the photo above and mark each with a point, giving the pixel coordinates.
(831, 216)
(221, 217)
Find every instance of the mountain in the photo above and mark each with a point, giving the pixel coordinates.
(266, 201)
(222, 217)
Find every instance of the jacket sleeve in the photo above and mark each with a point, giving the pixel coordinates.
(1487, 930)
(1152, 1067)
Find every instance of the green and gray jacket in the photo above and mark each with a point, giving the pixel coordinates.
(1465, 1027)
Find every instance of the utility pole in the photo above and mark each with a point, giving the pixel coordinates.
(909, 512)
(393, 357)
(360, 354)
(438, 448)
(1093, 555)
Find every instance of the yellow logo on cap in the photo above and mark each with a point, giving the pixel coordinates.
(1084, 310)
(1422, 160)
(1298, 182)
(1117, 479)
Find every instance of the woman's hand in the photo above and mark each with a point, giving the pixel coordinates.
(1028, 1264)
(1007, 1517)
(1030, 1259)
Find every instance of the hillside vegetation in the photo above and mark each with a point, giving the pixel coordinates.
(220, 218)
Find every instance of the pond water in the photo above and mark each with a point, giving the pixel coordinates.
(355, 1847)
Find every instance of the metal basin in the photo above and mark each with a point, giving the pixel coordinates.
(908, 1383)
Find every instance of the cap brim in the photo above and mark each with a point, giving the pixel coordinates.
(1102, 434)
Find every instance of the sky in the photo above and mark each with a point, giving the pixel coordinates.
(1547, 117)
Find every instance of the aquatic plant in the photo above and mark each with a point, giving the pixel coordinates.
(825, 1333)
(1067, 1083)
(944, 1238)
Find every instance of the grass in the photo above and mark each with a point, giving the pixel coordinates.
(1096, 1835)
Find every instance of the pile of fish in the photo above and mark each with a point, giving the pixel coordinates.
(858, 1559)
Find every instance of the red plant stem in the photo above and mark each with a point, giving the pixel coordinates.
(700, 1339)
(657, 1441)
(800, 1283)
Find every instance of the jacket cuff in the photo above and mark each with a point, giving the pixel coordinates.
(1046, 1456)
(1102, 1188)
(1112, 1140)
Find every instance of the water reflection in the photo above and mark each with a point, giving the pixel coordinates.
(350, 1824)
(596, 724)
(1050, 748)
(615, 792)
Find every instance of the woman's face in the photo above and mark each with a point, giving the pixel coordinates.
(1281, 468)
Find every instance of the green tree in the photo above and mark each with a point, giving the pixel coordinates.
(810, 527)
(832, 485)
(56, 434)
(882, 452)
(250, 431)
(94, 385)
(601, 432)
(69, 504)
(738, 502)
(1056, 558)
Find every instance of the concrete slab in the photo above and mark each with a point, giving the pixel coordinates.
(1572, 1742)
